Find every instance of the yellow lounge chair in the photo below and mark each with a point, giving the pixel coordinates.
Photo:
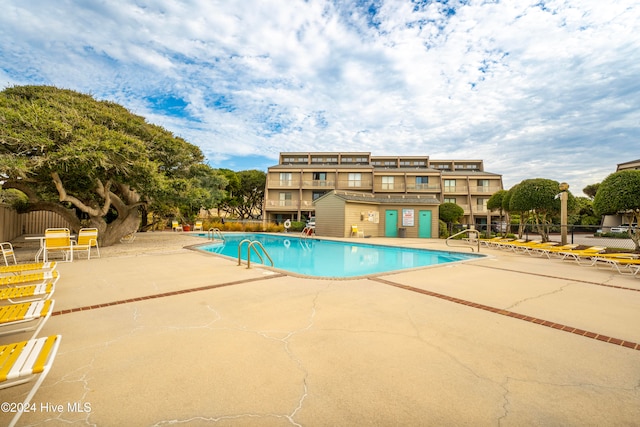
(355, 232)
(176, 226)
(33, 267)
(496, 243)
(128, 238)
(87, 239)
(580, 255)
(25, 361)
(198, 226)
(508, 243)
(27, 316)
(57, 241)
(30, 278)
(7, 252)
(521, 244)
(626, 266)
(554, 250)
(19, 294)
(532, 248)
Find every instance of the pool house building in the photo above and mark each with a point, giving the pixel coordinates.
(416, 183)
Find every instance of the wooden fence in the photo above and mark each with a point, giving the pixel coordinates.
(14, 224)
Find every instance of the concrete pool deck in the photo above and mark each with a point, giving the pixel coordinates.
(175, 336)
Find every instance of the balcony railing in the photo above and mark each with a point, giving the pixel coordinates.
(423, 187)
(484, 189)
(363, 184)
(282, 204)
(282, 183)
(318, 183)
(455, 189)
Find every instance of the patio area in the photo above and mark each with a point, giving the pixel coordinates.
(154, 334)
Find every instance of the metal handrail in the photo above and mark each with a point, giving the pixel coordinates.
(307, 231)
(252, 245)
(213, 232)
(240, 249)
(470, 241)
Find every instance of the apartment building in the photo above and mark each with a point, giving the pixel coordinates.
(300, 178)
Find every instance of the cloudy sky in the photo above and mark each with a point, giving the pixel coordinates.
(535, 88)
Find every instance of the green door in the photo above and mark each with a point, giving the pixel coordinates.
(424, 224)
(391, 223)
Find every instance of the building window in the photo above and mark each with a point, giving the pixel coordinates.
(422, 182)
(317, 194)
(319, 176)
(286, 179)
(449, 185)
(285, 199)
(482, 204)
(291, 160)
(355, 180)
(387, 183)
(449, 200)
(483, 185)
(324, 160)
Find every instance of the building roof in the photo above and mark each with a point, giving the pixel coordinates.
(633, 164)
(404, 199)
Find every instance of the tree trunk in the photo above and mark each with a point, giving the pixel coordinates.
(126, 223)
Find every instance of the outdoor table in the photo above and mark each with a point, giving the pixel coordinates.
(42, 240)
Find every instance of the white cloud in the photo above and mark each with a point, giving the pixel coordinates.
(536, 89)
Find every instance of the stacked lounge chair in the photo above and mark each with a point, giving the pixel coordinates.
(25, 306)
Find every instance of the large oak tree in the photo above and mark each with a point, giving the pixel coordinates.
(619, 193)
(94, 162)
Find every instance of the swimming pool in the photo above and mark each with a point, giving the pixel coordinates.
(333, 259)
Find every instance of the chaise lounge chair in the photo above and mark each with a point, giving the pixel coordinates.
(7, 252)
(25, 361)
(176, 226)
(627, 264)
(579, 255)
(25, 317)
(20, 294)
(198, 226)
(555, 250)
(34, 267)
(43, 277)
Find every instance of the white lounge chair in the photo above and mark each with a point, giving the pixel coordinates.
(25, 317)
(7, 252)
(25, 361)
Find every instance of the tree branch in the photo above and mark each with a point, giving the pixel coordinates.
(24, 187)
(101, 190)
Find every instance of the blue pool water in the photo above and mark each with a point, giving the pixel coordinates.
(332, 259)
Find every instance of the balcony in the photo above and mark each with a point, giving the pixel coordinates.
(456, 189)
(355, 185)
(291, 183)
(282, 204)
(484, 189)
(318, 183)
(433, 188)
(389, 188)
(288, 205)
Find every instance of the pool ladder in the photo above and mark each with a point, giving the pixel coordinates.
(213, 233)
(307, 232)
(472, 241)
(253, 244)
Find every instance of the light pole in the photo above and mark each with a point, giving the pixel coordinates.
(563, 212)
